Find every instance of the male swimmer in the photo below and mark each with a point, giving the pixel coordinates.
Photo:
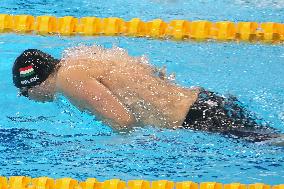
(126, 92)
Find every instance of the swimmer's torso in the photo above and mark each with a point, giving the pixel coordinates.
(152, 101)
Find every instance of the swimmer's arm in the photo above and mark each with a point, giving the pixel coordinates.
(102, 101)
(98, 99)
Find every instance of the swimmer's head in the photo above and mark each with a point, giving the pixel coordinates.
(31, 69)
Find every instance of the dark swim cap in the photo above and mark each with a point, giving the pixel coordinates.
(32, 67)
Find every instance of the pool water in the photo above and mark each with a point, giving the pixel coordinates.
(56, 140)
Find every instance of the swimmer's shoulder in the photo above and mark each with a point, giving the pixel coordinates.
(79, 68)
(70, 73)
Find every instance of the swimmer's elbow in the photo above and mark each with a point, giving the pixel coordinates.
(121, 124)
(126, 122)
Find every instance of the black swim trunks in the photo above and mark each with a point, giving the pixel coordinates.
(227, 116)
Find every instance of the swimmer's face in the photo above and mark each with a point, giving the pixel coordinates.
(44, 92)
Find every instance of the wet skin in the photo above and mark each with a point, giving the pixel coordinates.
(121, 90)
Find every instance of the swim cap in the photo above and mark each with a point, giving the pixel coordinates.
(32, 67)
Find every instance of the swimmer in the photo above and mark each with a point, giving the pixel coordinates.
(126, 92)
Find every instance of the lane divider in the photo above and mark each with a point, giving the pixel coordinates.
(270, 32)
(22, 182)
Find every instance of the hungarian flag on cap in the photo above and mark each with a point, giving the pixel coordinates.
(26, 71)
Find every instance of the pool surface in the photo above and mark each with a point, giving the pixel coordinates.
(56, 140)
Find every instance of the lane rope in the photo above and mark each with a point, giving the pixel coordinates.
(23, 182)
(201, 30)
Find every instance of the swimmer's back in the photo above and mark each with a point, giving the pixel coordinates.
(151, 100)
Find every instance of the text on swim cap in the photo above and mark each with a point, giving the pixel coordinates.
(31, 80)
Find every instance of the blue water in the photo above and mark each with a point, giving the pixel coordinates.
(56, 140)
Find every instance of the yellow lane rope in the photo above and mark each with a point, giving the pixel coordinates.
(22, 182)
(270, 32)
